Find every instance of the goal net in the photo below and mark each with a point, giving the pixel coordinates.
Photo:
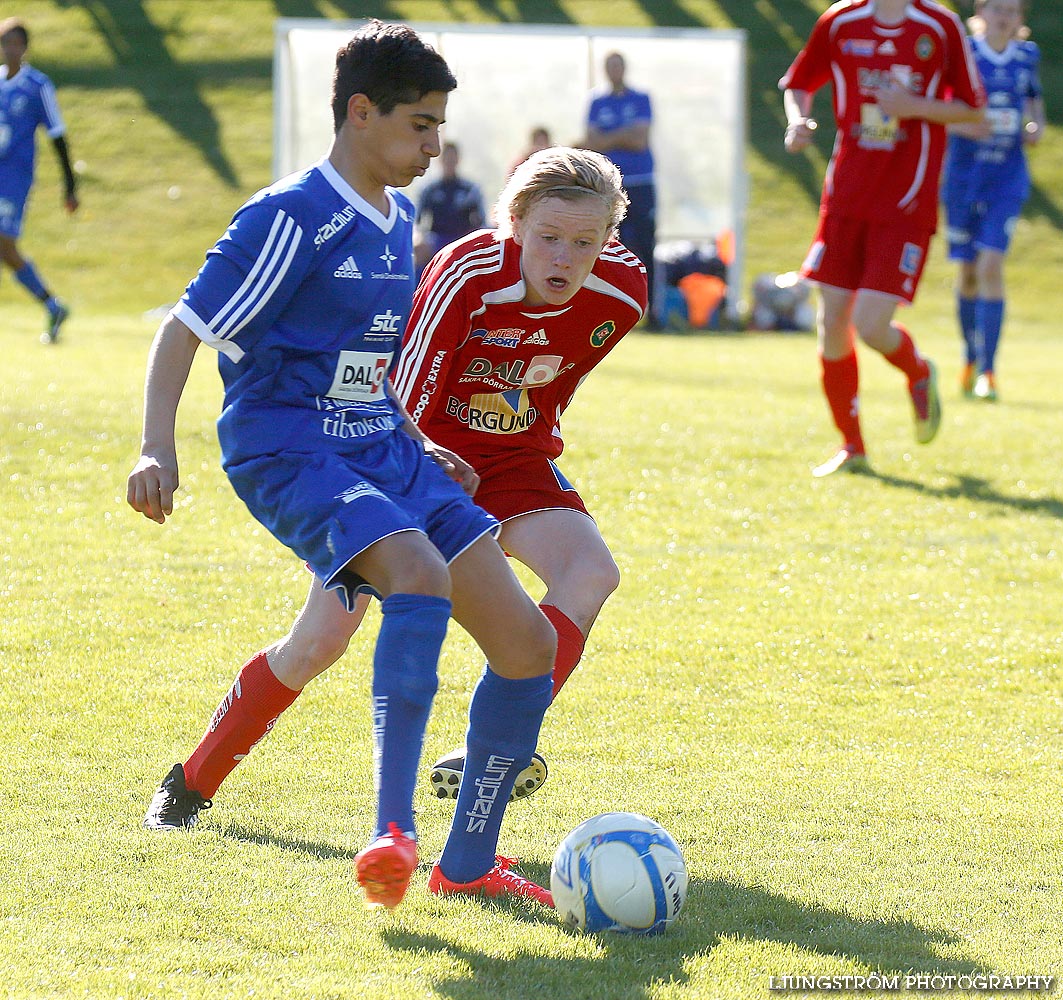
(515, 77)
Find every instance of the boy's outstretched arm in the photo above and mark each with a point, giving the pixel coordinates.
(154, 479)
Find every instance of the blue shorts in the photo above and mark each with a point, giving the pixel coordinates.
(329, 507)
(982, 223)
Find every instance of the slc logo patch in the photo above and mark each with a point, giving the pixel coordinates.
(602, 333)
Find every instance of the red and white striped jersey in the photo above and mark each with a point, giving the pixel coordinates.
(879, 163)
(482, 373)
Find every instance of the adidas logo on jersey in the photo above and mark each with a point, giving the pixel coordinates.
(539, 337)
(887, 48)
(348, 269)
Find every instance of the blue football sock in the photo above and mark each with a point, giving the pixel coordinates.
(405, 678)
(990, 323)
(28, 277)
(504, 720)
(966, 310)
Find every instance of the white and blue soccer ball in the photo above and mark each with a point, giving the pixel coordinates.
(619, 872)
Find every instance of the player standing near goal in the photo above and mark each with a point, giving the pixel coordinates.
(900, 72)
(305, 298)
(27, 100)
(987, 181)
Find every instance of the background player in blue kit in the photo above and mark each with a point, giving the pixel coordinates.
(449, 208)
(618, 125)
(987, 181)
(27, 100)
(305, 298)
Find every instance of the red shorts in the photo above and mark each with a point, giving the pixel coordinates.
(521, 482)
(886, 256)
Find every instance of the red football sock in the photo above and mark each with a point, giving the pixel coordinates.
(245, 715)
(906, 357)
(841, 386)
(570, 642)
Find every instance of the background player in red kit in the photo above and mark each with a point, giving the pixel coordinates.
(900, 72)
(504, 327)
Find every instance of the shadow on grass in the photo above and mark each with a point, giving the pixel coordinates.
(977, 490)
(353, 9)
(774, 34)
(237, 831)
(170, 89)
(631, 967)
(530, 11)
(1043, 204)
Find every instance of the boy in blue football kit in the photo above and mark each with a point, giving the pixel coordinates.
(618, 125)
(987, 182)
(305, 298)
(27, 101)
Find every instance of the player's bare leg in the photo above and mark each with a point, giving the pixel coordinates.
(491, 605)
(319, 636)
(567, 552)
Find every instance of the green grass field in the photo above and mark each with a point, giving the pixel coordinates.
(842, 697)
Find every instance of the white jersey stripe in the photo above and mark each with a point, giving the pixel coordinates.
(221, 315)
(860, 14)
(840, 89)
(420, 336)
(596, 284)
(416, 338)
(56, 127)
(262, 297)
(442, 293)
(283, 240)
(287, 244)
(624, 256)
(920, 169)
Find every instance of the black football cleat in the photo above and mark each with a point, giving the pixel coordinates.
(173, 806)
(446, 776)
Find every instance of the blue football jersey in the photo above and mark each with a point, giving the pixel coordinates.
(608, 112)
(26, 102)
(1011, 78)
(305, 298)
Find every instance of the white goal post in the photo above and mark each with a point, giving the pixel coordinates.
(514, 77)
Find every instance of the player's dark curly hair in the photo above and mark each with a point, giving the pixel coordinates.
(389, 63)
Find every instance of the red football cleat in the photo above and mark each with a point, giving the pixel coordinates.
(499, 881)
(385, 866)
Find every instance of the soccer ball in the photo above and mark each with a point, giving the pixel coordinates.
(619, 872)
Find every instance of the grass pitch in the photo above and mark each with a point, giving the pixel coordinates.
(842, 697)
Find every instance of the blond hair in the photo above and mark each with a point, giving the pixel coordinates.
(976, 24)
(562, 172)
